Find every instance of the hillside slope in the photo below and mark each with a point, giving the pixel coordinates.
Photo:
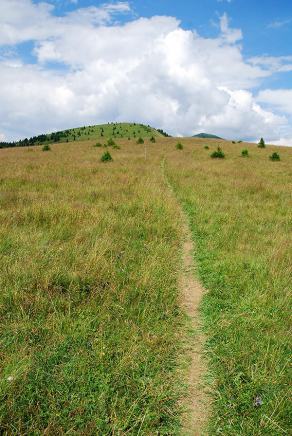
(95, 132)
(206, 136)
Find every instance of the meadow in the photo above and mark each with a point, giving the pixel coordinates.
(89, 317)
(92, 331)
(241, 219)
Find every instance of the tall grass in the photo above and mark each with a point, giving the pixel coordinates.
(90, 321)
(91, 327)
(240, 213)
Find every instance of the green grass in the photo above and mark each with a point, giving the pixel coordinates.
(240, 213)
(91, 329)
(113, 130)
(103, 132)
(90, 321)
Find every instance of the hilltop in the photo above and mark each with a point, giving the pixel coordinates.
(206, 136)
(94, 132)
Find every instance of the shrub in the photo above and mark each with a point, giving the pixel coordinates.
(116, 146)
(179, 146)
(261, 143)
(218, 154)
(106, 157)
(140, 141)
(206, 147)
(98, 144)
(233, 142)
(46, 147)
(244, 153)
(239, 142)
(152, 139)
(275, 156)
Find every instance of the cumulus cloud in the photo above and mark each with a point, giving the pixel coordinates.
(91, 68)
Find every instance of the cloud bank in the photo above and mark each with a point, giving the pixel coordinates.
(87, 67)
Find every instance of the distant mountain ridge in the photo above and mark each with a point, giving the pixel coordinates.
(206, 136)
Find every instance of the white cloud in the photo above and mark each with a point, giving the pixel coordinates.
(281, 99)
(147, 70)
(273, 64)
(229, 34)
(285, 141)
(243, 116)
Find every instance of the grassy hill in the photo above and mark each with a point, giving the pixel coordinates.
(91, 325)
(206, 136)
(96, 132)
(111, 130)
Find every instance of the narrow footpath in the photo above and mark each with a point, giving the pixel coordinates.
(196, 402)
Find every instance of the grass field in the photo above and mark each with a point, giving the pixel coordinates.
(91, 328)
(89, 315)
(240, 213)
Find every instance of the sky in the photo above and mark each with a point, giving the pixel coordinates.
(188, 66)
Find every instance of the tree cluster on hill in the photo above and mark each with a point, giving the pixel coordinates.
(163, 133)
(37, 140)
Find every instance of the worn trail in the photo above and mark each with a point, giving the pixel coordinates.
(191, 292)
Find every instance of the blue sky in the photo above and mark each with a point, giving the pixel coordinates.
(192, 41)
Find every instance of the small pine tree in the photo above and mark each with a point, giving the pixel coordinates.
(244, 153)
(275, 157)
(218, 154)
(98, 144)
(206, 147)
(261, 143)
(46, 147)
(179, 146)
(140, 140)
(152, 139)
(106, 157)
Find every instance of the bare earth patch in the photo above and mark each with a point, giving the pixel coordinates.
(195, 419)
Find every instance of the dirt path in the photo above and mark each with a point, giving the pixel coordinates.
(196, 403)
